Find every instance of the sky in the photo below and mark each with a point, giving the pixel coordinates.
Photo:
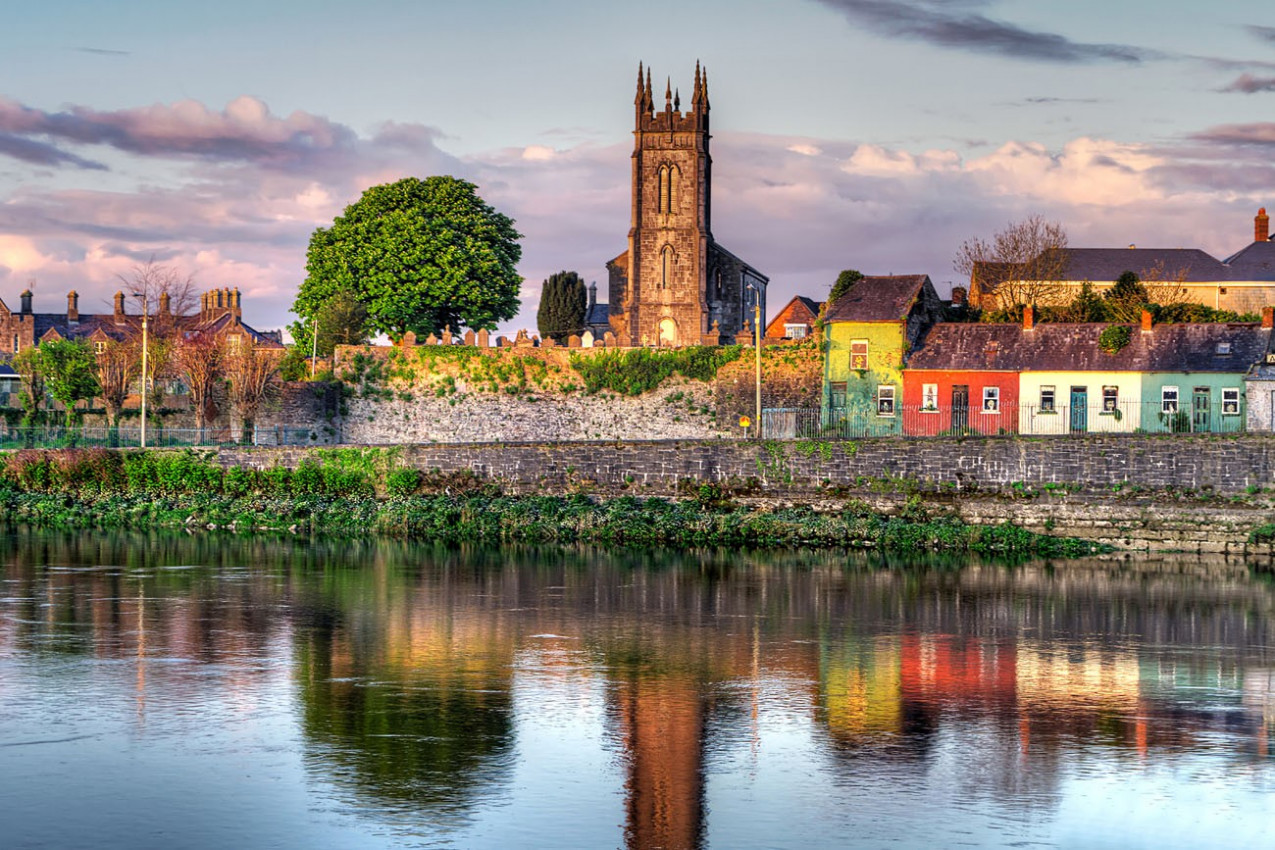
(869, 134)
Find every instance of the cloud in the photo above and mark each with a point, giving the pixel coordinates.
(799, 208)
(938, 23)
(1264, 33)
(104, 51)
(244, 131)
(1248, 84)
(1260, 134)
(42, 153)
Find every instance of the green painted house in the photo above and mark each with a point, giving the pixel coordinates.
(868, 333)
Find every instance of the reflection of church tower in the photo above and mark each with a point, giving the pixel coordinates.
(674, 283)
(662, 722)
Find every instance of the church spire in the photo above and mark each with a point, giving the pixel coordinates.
(704, 88)
(677, 101)
(650, 102)
(698, 92)
(637, 101)
(668, 94)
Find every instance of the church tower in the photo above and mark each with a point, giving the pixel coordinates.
(671, 286)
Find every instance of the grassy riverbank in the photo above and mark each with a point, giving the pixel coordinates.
(356, 493)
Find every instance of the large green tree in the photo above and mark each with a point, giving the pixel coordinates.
(562, 305)
(70, 372)
(419, 255)
(341, 320)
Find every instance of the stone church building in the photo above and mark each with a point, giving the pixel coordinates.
(675, 285)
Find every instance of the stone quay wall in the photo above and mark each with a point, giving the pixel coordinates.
(1207, 463)
(1141, 493)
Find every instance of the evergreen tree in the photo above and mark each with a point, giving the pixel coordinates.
(1126, 299)
(562, 305)
(845, 281)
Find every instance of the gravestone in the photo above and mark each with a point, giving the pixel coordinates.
(573, 341)
(447, 334)
(469, 336)
(484, 339)
(548, 342)
(586, 341)
(431, 340)
(408, 340)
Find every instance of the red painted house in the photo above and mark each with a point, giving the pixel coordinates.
(962, 379)
(796, 320)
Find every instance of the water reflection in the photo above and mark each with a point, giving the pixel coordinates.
(477, 697)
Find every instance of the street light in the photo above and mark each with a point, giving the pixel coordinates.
(145, 347)
(757, 346)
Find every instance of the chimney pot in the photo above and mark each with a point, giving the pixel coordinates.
(26, 301)
(1262, 226)
(1029, 317)
(73, 306)
(1268, 317)
(119, 307)
(1146, 321)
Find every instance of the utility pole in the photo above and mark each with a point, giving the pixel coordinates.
(314, 348)
(145, 346)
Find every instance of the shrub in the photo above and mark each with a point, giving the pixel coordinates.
(402, 482)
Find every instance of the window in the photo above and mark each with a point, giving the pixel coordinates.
(858, 354)
(837, 394)
(885, 401)
(1047, 399)
(232, 342)
(795, 331)
(991, 399)
(1223, 348)
(1230, 401)
(1169, 400)
(99, 346)
(930, 398)
(15, 343)
(1110, 399)
(666, 266)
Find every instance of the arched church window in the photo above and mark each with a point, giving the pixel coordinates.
(666, 266)
(663, 190)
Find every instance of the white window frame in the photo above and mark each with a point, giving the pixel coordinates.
(1170, 399)
(1052, 391)
(1230, 401)
(991, 399)
(797, 331)
(886, 398)
(929, 398)
(1115, 399)
(862, 345)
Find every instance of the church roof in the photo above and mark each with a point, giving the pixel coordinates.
(882, 298)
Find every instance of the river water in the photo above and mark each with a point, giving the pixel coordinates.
(209, 691)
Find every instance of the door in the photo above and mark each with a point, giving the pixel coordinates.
(1200, 409)
(960, 407)
(1079, 410)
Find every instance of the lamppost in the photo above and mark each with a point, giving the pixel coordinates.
(145, 348)
(757, 349)
(314, 347)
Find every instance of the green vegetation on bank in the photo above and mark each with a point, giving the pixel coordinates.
(354, 492)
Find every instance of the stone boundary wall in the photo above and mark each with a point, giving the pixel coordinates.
(1221, 464)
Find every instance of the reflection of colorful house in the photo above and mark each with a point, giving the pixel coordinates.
(870, 330)
(860, 685)
(953, 670)
(1077, 679)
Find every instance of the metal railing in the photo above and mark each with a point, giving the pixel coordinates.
(1132, 417)
(56, 437)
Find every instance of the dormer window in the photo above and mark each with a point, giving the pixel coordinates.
(1223, 348)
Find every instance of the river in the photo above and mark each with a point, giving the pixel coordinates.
(218, 691)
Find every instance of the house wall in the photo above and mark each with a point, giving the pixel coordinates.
(794, 314)
(885, 366)
(1260, 404)
(1153, 384)
(1238, 295)
(1129, 394)
(918, 422)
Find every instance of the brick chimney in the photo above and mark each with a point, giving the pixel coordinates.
(26, 302)
(1268, 317)
(1262, 226)
(165, 304)
(1146, 321)
(119, 308)
(73, 307)
(1029, 317)
(959, 296)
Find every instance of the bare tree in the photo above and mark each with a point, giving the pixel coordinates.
(156, 284)
(1022, 264)
(198, 359)
(253, 373)
(1166, 288)
(118, 365)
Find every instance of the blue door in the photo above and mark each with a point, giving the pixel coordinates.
(1080, 409)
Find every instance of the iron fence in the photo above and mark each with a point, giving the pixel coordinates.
(1152, 417)
(56, 437)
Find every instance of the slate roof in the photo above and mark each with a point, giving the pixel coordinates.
(1101, 264)
(1256, 262)
(883, 298)
(597, 314)
(1058, 347)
